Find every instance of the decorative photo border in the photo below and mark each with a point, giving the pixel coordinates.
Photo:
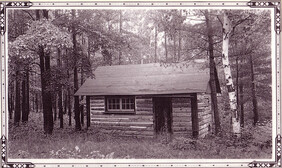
(131, 4)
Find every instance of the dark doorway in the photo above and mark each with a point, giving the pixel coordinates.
(162, 114)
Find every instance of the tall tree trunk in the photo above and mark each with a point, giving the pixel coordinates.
(120, 31)
(33, 102)
(237, 81)
(24, 101)
(82, 114)
(17, 113)
(166, 53)
(179, 40)
(37, 13)
(40, 104)
(88, 50)
(54, 104)
(10, 100)
(68, 93)
(241, 88)
(174, 47)
(88, 111)
(179, 45)
(45, 69)
(27, 91)
(81, 106)
(81, 78)
(76, 104)
(65, 100)
(45, 14)
(69, 105)
(46, 93)
(227, 71)
(60, 106)
(36, 102)
(33, 94)
(10, 104)
(76, 98)
(156, 43)
(254, 97)
(68, 96)
(213, 75)
(60, 99)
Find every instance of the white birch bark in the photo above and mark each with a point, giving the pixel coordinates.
(227, 72)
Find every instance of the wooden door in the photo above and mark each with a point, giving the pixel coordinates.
(162, 114)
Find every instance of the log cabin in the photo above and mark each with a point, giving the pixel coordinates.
(144, 100)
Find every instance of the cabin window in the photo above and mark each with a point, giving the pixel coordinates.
(120, 104)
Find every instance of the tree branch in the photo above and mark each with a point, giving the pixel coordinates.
(29, 15)
(186, 59)
(217, 42)
(219, 20)
(35, 63)
(191, 31)
(241, 21)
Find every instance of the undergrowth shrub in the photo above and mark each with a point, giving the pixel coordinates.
(164, 138)
(76, 153)
(101, 137)
(246, 142)
(29, 141)
(228, 139)
(182, 143)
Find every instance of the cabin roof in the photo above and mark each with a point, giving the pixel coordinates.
(147, 79)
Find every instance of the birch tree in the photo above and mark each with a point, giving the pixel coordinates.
(227, 72)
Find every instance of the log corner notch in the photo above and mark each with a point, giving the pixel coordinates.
(227, 72)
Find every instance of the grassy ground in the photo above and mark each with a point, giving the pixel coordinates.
(29, 141)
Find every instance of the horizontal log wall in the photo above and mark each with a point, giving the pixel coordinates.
(138, 125)
(181, 116)
(204, 114)
(141, 123)
(97, 105)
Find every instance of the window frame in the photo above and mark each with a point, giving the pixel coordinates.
(120, 110)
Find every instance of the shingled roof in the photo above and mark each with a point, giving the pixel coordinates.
(147, 79)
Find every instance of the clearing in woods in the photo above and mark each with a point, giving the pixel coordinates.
(29, 141)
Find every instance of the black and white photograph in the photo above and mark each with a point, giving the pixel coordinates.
(148, 81)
